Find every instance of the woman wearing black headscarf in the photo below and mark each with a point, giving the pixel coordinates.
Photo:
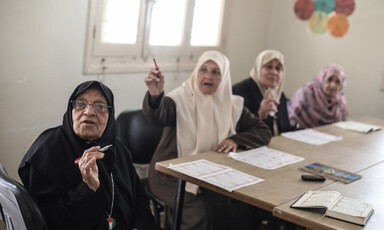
(76, 186)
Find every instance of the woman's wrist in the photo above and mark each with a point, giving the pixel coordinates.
(262, 115)
(155, 95)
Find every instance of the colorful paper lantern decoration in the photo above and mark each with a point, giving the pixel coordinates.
(345, 7)
(338, 25)
(318, 22)
(326, 15)
(324, 5)
(304, 9)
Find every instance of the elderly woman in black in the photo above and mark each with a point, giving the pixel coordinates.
(78, 185)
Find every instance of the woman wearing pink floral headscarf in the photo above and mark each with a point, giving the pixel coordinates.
(321, 101)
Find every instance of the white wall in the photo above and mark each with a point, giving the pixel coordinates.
(248, 32)
(360, 52)
(42, 45)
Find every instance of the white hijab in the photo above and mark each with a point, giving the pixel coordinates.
(203, 121)
(262, 59)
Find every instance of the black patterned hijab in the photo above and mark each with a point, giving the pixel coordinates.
(109, 134)
(56, 149)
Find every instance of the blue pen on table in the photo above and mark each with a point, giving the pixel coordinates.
(100, 150)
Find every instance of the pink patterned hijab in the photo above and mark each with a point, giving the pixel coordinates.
(311, 107)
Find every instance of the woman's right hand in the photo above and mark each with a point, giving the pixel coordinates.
(267, 105)
(88, 167)
(155, 82)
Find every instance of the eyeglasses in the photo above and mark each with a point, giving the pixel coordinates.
(270, 67)
(97, 107)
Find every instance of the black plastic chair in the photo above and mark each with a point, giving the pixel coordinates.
(18, 209)
(142, 138)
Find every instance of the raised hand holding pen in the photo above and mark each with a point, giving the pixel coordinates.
(267, 105)
(155, 82)
(88, 167)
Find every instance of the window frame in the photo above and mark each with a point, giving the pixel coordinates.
(119, 58)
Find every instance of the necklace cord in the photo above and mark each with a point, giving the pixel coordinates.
(113, 197)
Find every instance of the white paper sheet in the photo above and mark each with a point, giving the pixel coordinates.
(219, 175)
(357, 126)
(311, 136)
(266, 158)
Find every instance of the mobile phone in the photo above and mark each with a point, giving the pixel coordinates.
(313, 178)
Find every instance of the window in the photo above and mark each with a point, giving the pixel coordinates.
(123, 35)
(382, 82)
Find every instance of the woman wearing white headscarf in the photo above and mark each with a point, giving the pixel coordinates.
(263, 91)
(199, 116)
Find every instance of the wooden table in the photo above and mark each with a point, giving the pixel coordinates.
(369, 189)
(354, 153)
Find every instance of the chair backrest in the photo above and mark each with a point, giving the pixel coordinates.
(18, 209)
(138, 134)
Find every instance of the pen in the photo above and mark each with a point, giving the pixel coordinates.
(156, 67)
(105, 148)
(100, 150)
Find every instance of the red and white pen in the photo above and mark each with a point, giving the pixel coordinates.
(101, 150)
(156, 67)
